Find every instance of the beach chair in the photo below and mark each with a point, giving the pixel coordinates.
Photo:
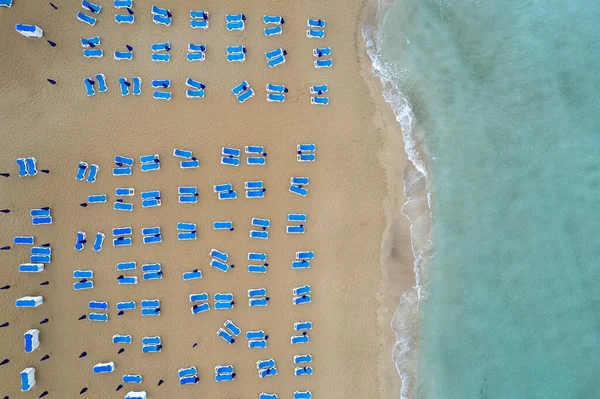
(124, 191)
(161, 95)
(121, 241)
(258, 334)
(151, 348)
(264, 395)
(233, 152)
(137, 86)
(225, 195)
(123, 206)
(23, 240)
(152, 239)
(121, 339)
(223, 225)
(323, 64)
(89, 87)
(151, 267)
(188, 199)
(305, 289)
(256, 256)
(203, 14)
(158, 84)
(230, 161)
(123, 55)
(236, 57)
(319, 89)
(240, 88)
(322, 51)
(261, 222)
(81, 169)
(255, 193)
(195, 48)
(101, 79)
(219, 265)
(41, 251)
(152, 276)
(199, 24)
(302, 359)
(161, 57)
(150, 311)
(295, 229)
(186, 226)
(299, 339)
(232, 327)
(104, 368)
(93, 173)
(301, 255)
(129, 305)
(258, 302)
(196, 56)
(30, 166)
(273, 53)
(235, 17)
(307, 147)
(124, 19)
(315, 34)
(27, 376)
(160, 20)
(39, 259)
(37, 221)
(147, 167)
(161, 11)
(124, 86)
(296, 217)
(257, 269)
(31, 268)
(98, 242)
(132, 378)
(254, 185)
(215, 253)
(224, 377)
(301, 300)
(31, 340)
(192, 94)
(259, 234)
(94, 8)
(257, 292)
(223, 305)
(298, 371)
(86, 18)
(165, 46)
(91, 42)
(184, 236)
(226, 336)
(99, 305)
(123, 3)
(189, 380)
(273, 88)
(235, 25)
(199, 297)
(127, 280)
(188, 190)
(303, 181)
(298, 190)
(184, 153)
(23, 167)
(186, 372)
(152, 340)
(273, 19)
(122, 171)
(273, 62)
(84, 274)
(122, 231)
(83, 285)
(268, 372)
(315, 23)
(305, 157)
(224, 369)
(246, 95)
(79, 241)
(273, 30)
(103, 317)
(193, 275)
(301, 264)
(136, 395)
(275, 98)
(199, 308)
(319, 100)
(220, 188)
(302, 395)
(93, 53)
(223, 297)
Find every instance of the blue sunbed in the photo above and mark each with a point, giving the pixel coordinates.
(298, 371)
(199, 14)
(150, 194)
(235, 17)
(322, 52)
(123, 206)
(194, 84)
(223, 305)
(305, 255)
(264, 395)
(273, 88)
(226, 297)
(41, 251)
(83, 274)
(302, 359)
(315, 34)
(255, 302)
(273, 62)
(193, 48)
(235, 25)
(124, 160)
(319, 89)
(319, 100)
(221, 188)
(254, 185)
(246, 95)
(150, 231)
(101, 79)
(306, 157)
(126, 266)
(273, 30)
(161, 57)
(186, 226)
(189, 93)
(257, 160)
(36, 221)
(203, 307)
(184, 236)
(299, 180)
(274, 53)
(161, 95)
(301, 264)
(264, 364)
(298, 190)
(101, 305)
(122, 3)
(122, 241)
(226, 336)
(86, 18)
(225, 195)
(260, 334)
(187, 372)
(137, 86)
(98, 317)
(215, 253)
(122, 231)
(91, 6)
(31, 268)
(224, 369)
(160, 20)
(257, 344)
(273, 19)
(188, 199)
(129, 305)
(240, 88)
(187, 190)
(224, 377)
(232, 327)
(124, 19)
(127, 280)
(256, 292)
(93, 173)
(254, 149)
(123, 55)
(235, 152)
(159, 83)
(91, 42)
(323, 63)
(152, 276)
(275, 98)
(98, 242)
(296, 217)
(150, 303)
(152, 239)
(23, 167)
(184, 153)
(259, 234)
(124, 88)
(303, 325)
(261, 222)
(151, 267)
(236, 49)
(236, 57)
(124, 191)
(302, 395)
(24, 240)
(256, 256)
(89, 87)
(222, 225)
(192, 275)
(198, 24)
(79, 241)
(230, 161)
(147, 167)
(30, 166)
(299, 339)
(151, 348)
(307, 147)
(40, 258)
(83, 285)
(122, 171)
(257, 269)
(196, 57)
(192, 163)
(255, 193)
(315, 23)
(132, 378)
(121, 339)
(161, 11)
(219, 265)
(299, 300)
(305, 289)
(166, 46)
(202, 297)
(268, 372)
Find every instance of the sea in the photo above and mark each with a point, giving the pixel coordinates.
(499, 103)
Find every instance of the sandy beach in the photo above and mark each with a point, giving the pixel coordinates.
(363, 259)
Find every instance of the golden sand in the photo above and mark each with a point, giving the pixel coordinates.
(353, 297)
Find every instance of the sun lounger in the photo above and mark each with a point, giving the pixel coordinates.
(235, 25)
(246, 95)
(193, 275)
(315, 23)
(188, 380)
(256, 256)
(236, 49)
(259, 234)
(302, 395)
(215, 253)
(303, 325)
(39, 259)
(184, 236)
(124, 191)
(192, 163)
(124, 88)
(223, 297)
(161, 11)
(123, 55)
(298, 371)
(30, 166)
(315, 34)
(272, 88)
(302, 359)
(273, 30)
(84, 274)
(152, 276)
(98, 242)
(161, 57)
(188, 190)
(299, 339)
(188, 199)
(256, 302)
(199, 308)
(305, 289)
(273, 19)
(186, 226)
(265, 364)
(222, 225)
(257, 269)
(264, 395)
(132, 378)
(137, 86)
(83, 285)
(121, 339)
(225, 195)
(185, 153)
(37, 221)
(322, 52)
(224, 369)
(124, 19)
(255, 193)
(306, 157)
(232, 327)
(160, 95)
(31, 268)
(121, 241)
(100, 305)
(186, 372)
(296, 217)
(91, 42)
(123, 3)
(240, 88)
(260, 335)
(129, 305)
(235, 17)
(27, 376)
(159, 20)
(158, 84)
(323, 63)
(257, 292)
(319, 89)
(147, 167)
(275, 98)
(150, 312)
(273, 53)
(104, 368)
(123, 171)
(307, 147)
(220, 188)
(219, 265)
(228, 151)
(199, 297)
(23, 167)
(268, 372)
(300, 300)
(136, 395)
(101, 79)
(202, 14)
(224, 377)
(199, 24)
(255, 149)
(301, 264)
(237, 57)
(24, 240)
(257, 344)
(91, 7)
(223, 305)
(98, 317)
(89, 87)
(192, 94)
(86, 18)
(196, 57)
(79, 241)
(151, 267)
(41, 251)
(254, 185)
(230, 161)
(298, 190)
(127, 280)
(124, 160)
(302, 255)
(226, 336)
(195, 48)
(152, 239)
(122, 231)
(273, 62)
(151, 348)
(123, 206)
(166, 46)
(93, 173)
(319, 100)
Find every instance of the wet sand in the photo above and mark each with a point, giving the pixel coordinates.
(347, 209)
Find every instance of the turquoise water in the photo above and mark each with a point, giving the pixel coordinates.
(506, 96)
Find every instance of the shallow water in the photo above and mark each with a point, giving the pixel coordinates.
(505, 97)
